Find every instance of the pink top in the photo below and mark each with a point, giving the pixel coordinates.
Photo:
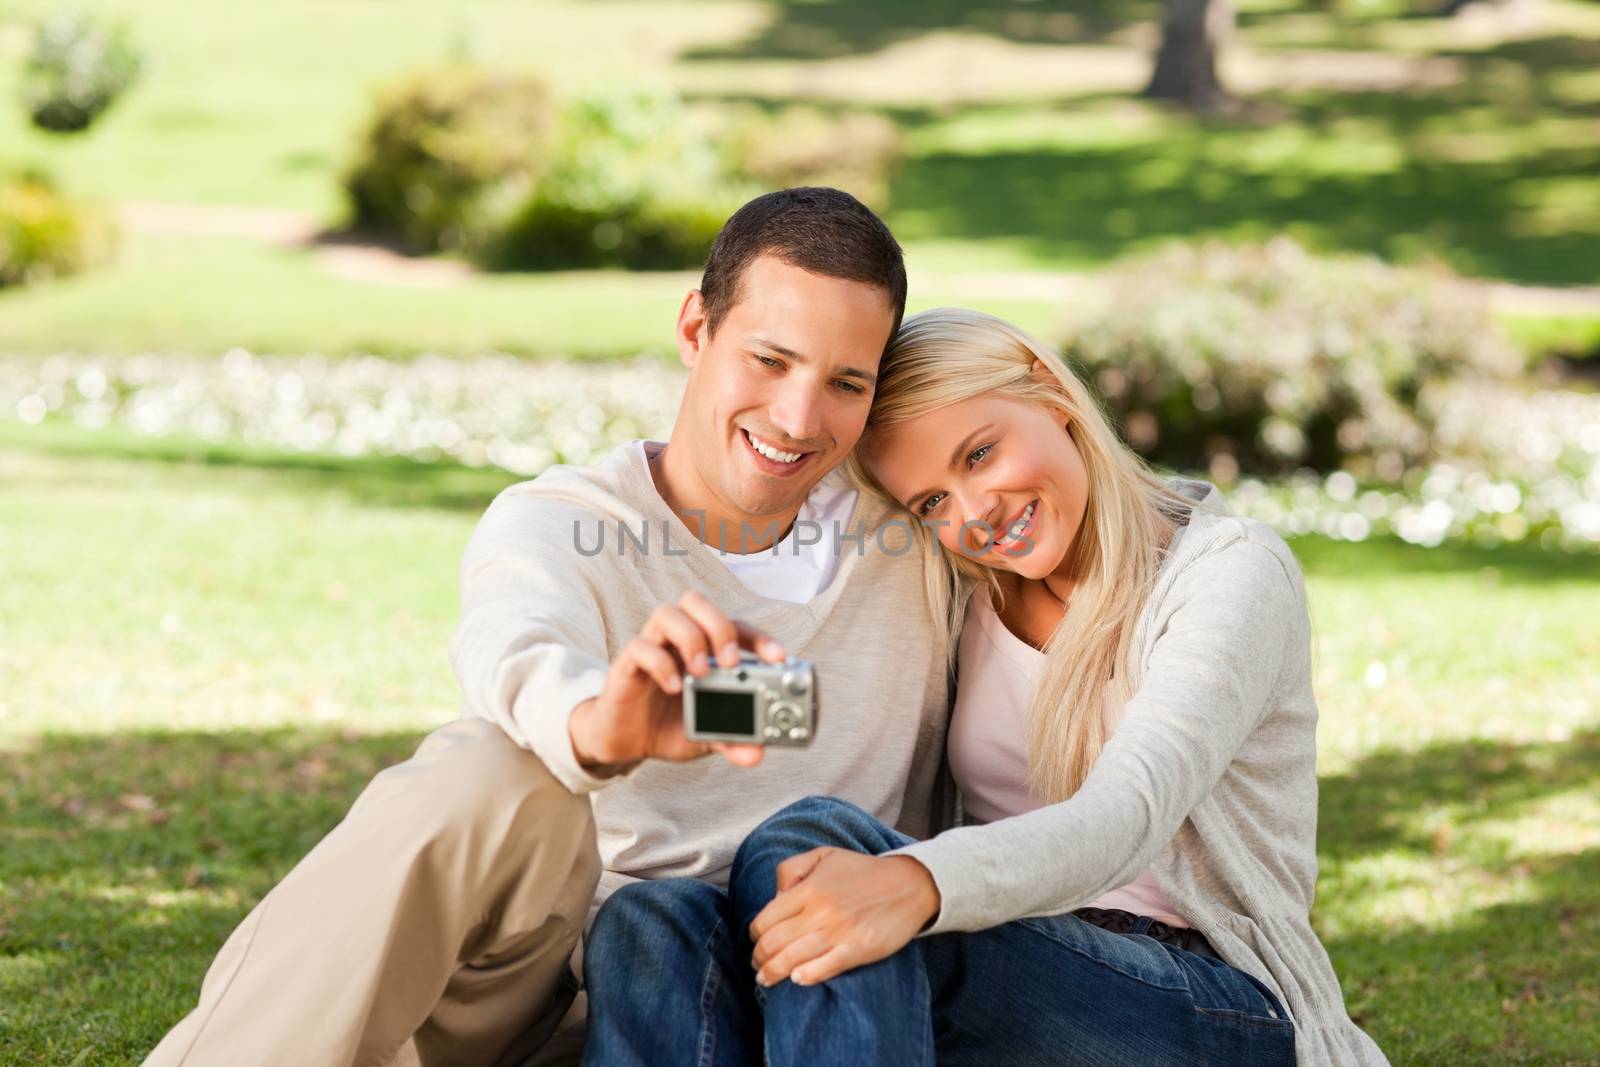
(988, 743)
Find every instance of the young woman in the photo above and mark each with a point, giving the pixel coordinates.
(1134, 740)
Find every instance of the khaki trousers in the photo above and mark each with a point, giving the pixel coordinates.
(438, 916)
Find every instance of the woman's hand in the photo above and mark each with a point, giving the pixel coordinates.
(836, 910)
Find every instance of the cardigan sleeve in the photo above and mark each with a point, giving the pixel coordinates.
(531, 644)
(1223, 631)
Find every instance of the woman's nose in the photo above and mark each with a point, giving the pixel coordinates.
(977, 516)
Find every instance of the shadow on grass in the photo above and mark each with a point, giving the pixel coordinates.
(394, 481)
(1476, 182)
(826, 29)
(128, 859)
(1093, 204)
(1370, 808)
(1510, 982)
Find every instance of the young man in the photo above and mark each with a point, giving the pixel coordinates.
(444, 909)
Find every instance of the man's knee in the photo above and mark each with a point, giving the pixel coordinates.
(661, 919)
(814, 822)
(469, 782)
(823, 811)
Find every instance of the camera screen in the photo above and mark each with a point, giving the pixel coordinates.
(725, 713)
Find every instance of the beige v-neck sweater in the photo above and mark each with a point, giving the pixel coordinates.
(543, 612)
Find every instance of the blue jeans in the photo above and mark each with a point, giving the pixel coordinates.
(667, 965)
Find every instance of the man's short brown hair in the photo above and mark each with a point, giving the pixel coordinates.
(821, 230)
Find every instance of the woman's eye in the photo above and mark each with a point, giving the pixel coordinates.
(930, 503)
(977, 454)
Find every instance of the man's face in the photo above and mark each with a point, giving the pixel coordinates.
(778, 396)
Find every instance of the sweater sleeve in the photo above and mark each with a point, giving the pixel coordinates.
(1206, 686)
(531, 644)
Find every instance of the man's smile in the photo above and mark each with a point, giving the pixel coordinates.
(770, 459)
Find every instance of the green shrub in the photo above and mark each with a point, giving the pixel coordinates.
(77, 70)
(635, 183)
(552, 233)
(1265, 358)
(43, 235)
(447, 154)
(803, 145)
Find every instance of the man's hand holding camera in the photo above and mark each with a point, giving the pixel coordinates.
(639, 712)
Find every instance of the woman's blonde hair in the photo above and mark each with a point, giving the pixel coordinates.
(947, 355)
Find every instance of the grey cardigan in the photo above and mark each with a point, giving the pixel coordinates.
(1210, 781)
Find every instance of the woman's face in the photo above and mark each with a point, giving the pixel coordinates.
(999, 479)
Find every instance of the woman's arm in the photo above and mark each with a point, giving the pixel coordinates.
(1238, 611)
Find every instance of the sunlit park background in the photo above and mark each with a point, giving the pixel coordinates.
(288, 291)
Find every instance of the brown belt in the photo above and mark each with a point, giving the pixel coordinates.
(1124, 922)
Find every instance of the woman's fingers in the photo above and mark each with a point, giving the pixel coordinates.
(779, 938)
(830, 964)
(802, 950)
(779, 908)
(793, 871)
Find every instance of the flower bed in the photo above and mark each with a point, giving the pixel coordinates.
(1518, 464)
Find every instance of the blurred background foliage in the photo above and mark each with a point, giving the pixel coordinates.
(1282, 237)
(78, 67)
(288, 291)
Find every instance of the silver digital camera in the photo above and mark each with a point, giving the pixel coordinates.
(754, 703)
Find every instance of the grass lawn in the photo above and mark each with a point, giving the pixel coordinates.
(1027, 149)
(203, 664)
(206, 294)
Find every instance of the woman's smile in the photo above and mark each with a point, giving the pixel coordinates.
(1014, 541)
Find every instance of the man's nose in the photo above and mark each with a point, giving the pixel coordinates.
(798, 413)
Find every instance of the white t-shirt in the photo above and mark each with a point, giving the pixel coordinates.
(790, 570)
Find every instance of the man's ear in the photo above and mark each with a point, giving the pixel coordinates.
(692, 331)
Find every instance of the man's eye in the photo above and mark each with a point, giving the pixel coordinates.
(768, 361)
(850, 387)
(929, 504)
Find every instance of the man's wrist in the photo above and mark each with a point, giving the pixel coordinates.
(577, 736)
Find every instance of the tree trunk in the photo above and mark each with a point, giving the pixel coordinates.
(1512, 17)
(1192, 32)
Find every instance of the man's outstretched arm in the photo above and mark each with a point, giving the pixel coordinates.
(538, 653)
